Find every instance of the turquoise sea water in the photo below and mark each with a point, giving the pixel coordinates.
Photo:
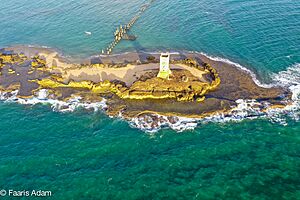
(84, 155)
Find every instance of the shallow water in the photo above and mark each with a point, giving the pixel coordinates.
(263, 35)
(85, 155)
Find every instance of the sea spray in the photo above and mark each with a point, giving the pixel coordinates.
(290, 78)
(61, 106)
(245, 109)
(152, 123)
(252, 74)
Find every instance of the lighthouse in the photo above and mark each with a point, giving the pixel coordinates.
(164, 69)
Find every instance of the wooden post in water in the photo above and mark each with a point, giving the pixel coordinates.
(121, 32)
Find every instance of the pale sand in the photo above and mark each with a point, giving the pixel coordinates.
(235, 83)
(72, 71)
(127, 74)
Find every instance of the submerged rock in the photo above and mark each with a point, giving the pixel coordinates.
(199, 87)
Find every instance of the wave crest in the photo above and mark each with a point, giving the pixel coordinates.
(61, 106)
(245, 109)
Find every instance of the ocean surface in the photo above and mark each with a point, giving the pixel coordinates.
(87, 155)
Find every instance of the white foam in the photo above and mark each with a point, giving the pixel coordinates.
(242, 111)
(61, 106)
(36, 46)
(252, 74)
(42, 94)
(147, 124)
(290, 78)
(214, 58)
(245, 109)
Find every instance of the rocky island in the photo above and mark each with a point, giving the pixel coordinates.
(196, 87)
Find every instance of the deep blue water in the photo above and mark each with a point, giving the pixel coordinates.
(85, 155)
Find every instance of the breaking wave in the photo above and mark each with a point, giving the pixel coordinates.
(61, 106)
(245, 109)
(252, 74)
(290, 78)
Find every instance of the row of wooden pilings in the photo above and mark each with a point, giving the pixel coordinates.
(122, 30)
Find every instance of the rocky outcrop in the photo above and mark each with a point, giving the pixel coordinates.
(182, 86)
(137, 89)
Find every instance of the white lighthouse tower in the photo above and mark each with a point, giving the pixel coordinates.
(164, 69)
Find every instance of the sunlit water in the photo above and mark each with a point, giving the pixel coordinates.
(86, 155)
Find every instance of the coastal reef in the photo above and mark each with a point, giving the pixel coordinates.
(182, 86)
(198, 86)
